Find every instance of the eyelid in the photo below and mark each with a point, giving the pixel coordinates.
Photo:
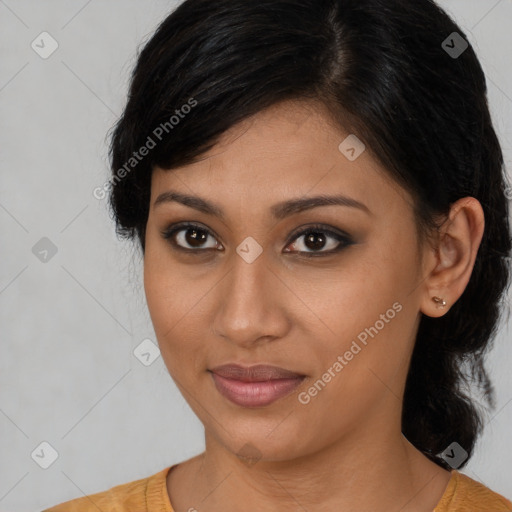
(334, 232)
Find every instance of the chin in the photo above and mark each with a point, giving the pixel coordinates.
(252, 445)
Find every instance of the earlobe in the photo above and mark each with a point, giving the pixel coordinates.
(436, 307)
(454, 256)
(441, 303)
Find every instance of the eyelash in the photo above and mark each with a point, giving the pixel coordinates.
(343, 239)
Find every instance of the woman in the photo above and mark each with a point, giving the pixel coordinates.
(318, 192)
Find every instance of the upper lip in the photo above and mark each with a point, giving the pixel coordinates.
(255, 373)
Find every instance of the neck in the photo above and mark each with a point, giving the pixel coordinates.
(369, 469)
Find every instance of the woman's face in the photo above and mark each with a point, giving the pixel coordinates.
(248, 291)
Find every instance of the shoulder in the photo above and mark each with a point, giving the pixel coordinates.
(465, 494)
(127, 497)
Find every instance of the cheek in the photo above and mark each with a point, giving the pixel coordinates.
(165, 287)
(365, 315)
(175, 306)
(363, 367)
(164, 295)
(345, 301)
(368, 335)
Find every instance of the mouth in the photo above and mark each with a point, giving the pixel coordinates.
(254, 386)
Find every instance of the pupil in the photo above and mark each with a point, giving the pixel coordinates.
(316, 239)
(195, 240)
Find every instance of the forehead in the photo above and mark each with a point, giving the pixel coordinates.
(291, 149)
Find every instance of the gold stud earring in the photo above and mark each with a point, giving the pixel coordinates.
(441, 303)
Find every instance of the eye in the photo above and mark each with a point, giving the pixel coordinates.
(188, 237)
(319, 237)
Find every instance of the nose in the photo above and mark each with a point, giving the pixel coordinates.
(251, 304)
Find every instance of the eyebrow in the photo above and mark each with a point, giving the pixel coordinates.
(279, 211)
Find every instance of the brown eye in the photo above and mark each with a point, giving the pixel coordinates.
(189, 237)
(319, 240)
(316, 241)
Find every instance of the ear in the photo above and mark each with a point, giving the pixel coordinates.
(449, 265)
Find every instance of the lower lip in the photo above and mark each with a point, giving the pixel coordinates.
(255, 394)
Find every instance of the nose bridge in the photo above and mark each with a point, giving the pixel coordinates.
(247, 307)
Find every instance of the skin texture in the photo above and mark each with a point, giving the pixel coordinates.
(344, 449)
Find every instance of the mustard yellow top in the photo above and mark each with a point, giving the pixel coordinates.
(463, 494)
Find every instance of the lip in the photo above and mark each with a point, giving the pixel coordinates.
(255, 373)
(254, 386)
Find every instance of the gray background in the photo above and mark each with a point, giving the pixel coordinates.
(69, 326)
